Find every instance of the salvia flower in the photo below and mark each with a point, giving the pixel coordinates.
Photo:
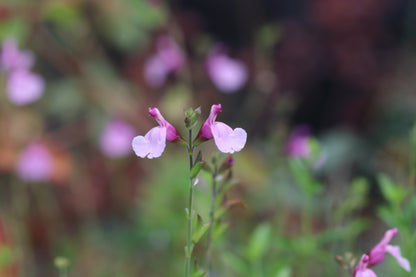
(35, 163)
(153, 143)
(227, 74)
(115, 140)
(168, 58)
(376, 256)
(298, 143)
(23, 86)
(12, 58)
(226, 139)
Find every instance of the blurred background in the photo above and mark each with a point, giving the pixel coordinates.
(77, 79)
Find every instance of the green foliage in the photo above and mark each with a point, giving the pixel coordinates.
(258, 242)
(6, 256)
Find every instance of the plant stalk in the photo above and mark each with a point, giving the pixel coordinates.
(211, 218)
(188, 249)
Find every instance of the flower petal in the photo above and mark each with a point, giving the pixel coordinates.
(365, 273)
(377, 253)
(227, 139)
(395, 252)
(152, 144)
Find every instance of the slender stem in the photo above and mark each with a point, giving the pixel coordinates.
(188, 249)
(211, 217)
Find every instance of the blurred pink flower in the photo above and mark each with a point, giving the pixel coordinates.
(226, 139)
(24, 87)
(168, 58)
(298, 143)
(12, 58)
(361, 270)
(35, 163)
(153, 143)
(115, 140)
(227, 74)
(376, 256)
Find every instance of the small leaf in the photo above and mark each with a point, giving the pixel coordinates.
(200, 232)
(219, 230)
(283, 272)
(199, 273)
(236, 264)
(196, 169)
(259, 242)
(6, 256)
(392, 192)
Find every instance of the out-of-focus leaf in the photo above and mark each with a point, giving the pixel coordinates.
(235, 263)
(219, 230)
(129, 23)
(268, 36)
(62, 13)
(14, 27)
(283, 272)
(6, 256)
(259, 242)
(64, 100)
(391, 191)
(355, 199)
(303, 178)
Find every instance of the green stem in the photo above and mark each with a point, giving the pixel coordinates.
(188, 249)
(211, 217)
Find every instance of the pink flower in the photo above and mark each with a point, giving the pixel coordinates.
(376, 256)
(226, 139)
(228, 75)
(169, 58)
(298, 143)
(11, 57)
(153, 143)
(35, 163)
(115, 140)
(24, 87)
(361, 270)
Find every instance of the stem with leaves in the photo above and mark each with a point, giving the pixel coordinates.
(189, 246)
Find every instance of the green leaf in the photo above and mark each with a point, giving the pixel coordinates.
(200, 232)
(236, 264)
(392, 192)
(283, 272)
(199, 273)
(6, 256)
(259, 242)
(219, 230)
(196, 169)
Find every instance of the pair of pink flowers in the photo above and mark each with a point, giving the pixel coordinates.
(376, 256)
(153, 143)
(23, 86)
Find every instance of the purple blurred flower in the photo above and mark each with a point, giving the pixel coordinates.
(298, 143)
(35, 163)
(168, 59)
(376, 256)
(24, 87)
(228, 75)
(115, 140)
(12, 58)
